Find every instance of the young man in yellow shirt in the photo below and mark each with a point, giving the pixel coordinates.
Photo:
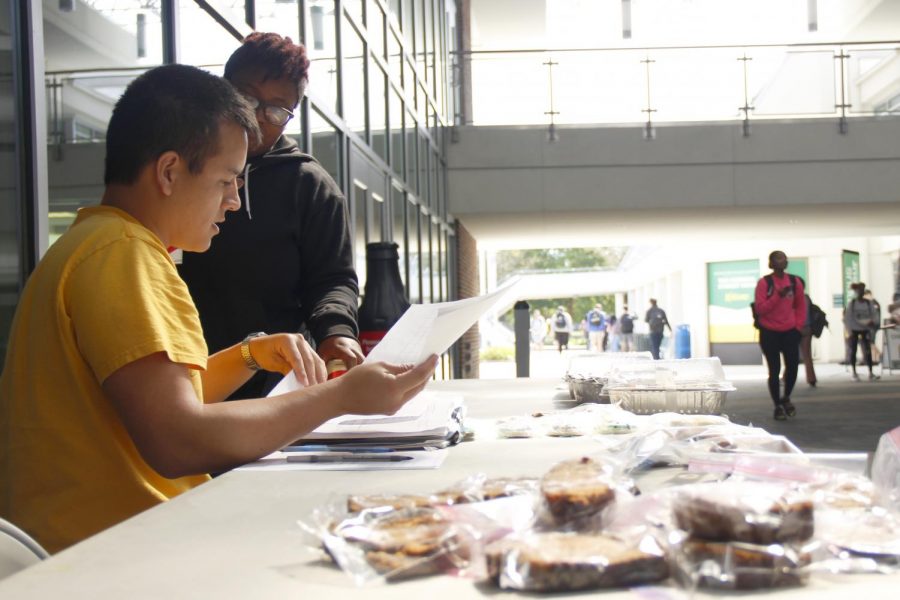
(109, 403)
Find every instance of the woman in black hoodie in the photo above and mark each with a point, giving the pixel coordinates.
(285, 261)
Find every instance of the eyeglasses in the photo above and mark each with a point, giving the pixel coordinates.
(272, 113)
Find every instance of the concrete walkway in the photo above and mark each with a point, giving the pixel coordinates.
(838, 415)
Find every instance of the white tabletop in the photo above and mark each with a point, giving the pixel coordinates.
(237, 536)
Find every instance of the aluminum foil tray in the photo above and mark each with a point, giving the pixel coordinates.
(685, 401)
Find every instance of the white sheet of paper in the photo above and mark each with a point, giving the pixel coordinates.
(426, 329)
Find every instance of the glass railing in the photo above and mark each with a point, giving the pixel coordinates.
(683, 84)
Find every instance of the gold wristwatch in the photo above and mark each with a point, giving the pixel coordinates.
(245, 350)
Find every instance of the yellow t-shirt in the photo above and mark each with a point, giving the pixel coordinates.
(106, 294)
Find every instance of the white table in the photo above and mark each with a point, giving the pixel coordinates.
(237, 537)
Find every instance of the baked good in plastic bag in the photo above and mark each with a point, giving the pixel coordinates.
(886, 469)
(751, 512)
(477, 488)
(577, 490)
(740, 566)
(571, 561)
(398, 544)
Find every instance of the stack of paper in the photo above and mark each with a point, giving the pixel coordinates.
(431, 420)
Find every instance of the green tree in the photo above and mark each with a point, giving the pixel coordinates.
(511, 262)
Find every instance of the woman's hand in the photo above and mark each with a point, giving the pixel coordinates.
(286, 352)
(382, 388)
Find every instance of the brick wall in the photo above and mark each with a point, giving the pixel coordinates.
(467, 281)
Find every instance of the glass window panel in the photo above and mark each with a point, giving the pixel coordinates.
(10, 197)
(125, 33)
(419, 19)
(321, 47)
(395, 59)
(411, 153)
(435, 181)
(436, 268)
(396, 116)
(394, 7)
(281, 17)
(424, 182)
(359, 199)
(377, 110)
(400, 234)
(375, 28)
(355, 9)
(354, 81)
(429, 41)
(445, 265)
(407, 22)
(421, 103)
(376, 223)
(425, 256)
(415, 252)
(326, 144)
(202, 41)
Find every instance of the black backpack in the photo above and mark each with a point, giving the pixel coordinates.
(595, 318)
(627, 323)
(818, 320)
(770, 283)
(560, 319)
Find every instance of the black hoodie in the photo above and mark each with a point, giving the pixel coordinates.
(284, 260)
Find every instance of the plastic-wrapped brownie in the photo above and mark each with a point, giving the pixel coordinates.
(473, 489)
(403, 543)
(576, 490)
(751, 512)
(550, 562)
(739, 566)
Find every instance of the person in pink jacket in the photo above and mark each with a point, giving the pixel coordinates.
(780, 307)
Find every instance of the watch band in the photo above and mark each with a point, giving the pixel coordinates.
(249, 361)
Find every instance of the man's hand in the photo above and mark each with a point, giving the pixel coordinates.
(286, 352)
(381, 388)
(341, 348)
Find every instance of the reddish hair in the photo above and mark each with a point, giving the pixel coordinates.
(272, 56)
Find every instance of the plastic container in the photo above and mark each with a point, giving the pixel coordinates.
(587, 374)
(690, 386)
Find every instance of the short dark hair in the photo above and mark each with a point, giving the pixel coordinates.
(271, 56)
(774, 252)
(172, 108)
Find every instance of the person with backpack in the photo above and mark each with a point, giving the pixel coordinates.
(561, 324)
(861, 318)
(806, 335)
(658, 321)
(626, 331)
(779, 311)
(596, 328)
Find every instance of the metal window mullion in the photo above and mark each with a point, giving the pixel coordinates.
(31, 135)
(168, 15)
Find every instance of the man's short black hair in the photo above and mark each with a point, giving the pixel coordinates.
(175, 108)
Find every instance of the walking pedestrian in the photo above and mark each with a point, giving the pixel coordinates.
(538, 329)
(861, 320)
(561, 324)
(626, 331)
(780, 312)
(596, 328)
(656, 318)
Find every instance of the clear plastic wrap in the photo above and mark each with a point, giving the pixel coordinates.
(886, 469)
(476, 488)
(693, 386)
(384, 544)
(551, 562)
(743, 511)
(741, 566)
(860, 540)
(577, 493)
